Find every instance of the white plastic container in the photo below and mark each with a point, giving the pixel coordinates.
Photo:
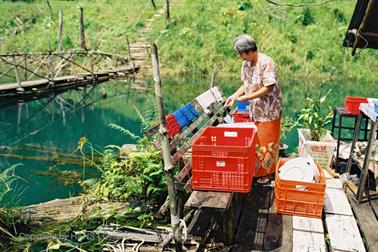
(321, 152)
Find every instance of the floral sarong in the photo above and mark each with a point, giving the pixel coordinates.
(267, 147)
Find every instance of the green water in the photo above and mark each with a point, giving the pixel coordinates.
(41, 125)
(57, 126)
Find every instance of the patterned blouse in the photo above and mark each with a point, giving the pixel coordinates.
(269, 106)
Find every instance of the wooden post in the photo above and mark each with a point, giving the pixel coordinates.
(128, 47)
(25, 66)
(153, 4)
(167, 13)
(168, 166)
(82, 35)
(51, 11)
(16, 73)
(213, 76)
(50, 74)
(60, 31)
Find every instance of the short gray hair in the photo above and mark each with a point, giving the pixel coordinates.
(244, 43)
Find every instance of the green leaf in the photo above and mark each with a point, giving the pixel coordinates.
(54, 247)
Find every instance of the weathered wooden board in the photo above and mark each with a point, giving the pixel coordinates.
(366, 220)
(308, 234)
(343, 233)
(287, 236)
(308, 224)
(308, 241)
(184, 172)
(205, 199)
(334, 183)
(278, 235)
(335, 202)
(251, 229)
(327, 174)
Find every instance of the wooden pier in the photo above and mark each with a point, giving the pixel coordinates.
(25, 74)
(344, 226)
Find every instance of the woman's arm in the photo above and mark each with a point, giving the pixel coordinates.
(230, 100)
(259, 93)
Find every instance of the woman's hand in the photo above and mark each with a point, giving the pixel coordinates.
(230, 101)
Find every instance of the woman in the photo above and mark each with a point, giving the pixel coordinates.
(260, 87)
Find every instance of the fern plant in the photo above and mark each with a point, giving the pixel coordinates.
(9, 197)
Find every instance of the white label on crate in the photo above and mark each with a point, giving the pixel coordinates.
(231, 134)
(220, 163)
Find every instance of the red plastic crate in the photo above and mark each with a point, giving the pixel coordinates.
(299, 198)
(352, 104)
(223, 159)
(241, 117)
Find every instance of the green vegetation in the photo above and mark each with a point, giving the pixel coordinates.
(29, 26)
(306, 43)
(9, 197)
(314, 118)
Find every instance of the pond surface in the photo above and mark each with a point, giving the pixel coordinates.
(42, 135)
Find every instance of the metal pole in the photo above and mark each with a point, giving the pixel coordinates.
(168, 166)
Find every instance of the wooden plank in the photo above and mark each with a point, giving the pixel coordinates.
(308, 234)
(308, 241)
(278, 235)
(188, 144)
(331, 172)
(251, 229)
(335, 202)
(334, 183)
(204, 199)
(327, 174)
(308, 224)
(188, 185)
(343, 233)
(287, 235)
(188, 131)
(366, 220)
(184, 172)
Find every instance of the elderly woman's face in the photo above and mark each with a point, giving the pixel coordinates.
(246, 55)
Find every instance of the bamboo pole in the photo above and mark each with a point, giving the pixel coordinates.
(362, 26)
(82, 34)
(60, 31)
(168, 166)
